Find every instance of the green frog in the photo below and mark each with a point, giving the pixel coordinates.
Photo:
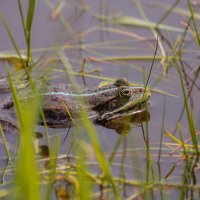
(61, 105)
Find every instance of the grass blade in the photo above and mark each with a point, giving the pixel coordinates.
(91, 132)
(194, 23)
(30, 14)
(22, 19)
(5, 144)
(175, 139)
(189, 115)
(26, 179)
(29, 22)
(133, 21)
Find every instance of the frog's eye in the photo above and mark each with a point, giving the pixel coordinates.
(121, 82)
(125, 93)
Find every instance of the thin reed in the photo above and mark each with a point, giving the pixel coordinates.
(126, 166)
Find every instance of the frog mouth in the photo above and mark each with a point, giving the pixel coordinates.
(122, 122)
(125, 113)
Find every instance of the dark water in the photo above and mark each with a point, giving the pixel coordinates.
(85, 36)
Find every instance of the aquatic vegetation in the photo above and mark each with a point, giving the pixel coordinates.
(148, 153)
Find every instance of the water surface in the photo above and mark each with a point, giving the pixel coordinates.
(79, 30)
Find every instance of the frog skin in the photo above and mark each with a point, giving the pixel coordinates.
(61, 105)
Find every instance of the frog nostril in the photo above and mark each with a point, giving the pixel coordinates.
(140, 91)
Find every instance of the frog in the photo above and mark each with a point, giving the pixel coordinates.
(61, 105)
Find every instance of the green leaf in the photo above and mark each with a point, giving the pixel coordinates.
(26, 183)
(132, 21)
(14, 59)
(30, 14)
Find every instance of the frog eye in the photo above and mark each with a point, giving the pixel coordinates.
(125, 93)
(121, 82)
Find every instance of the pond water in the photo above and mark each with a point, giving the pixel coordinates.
(85, 29)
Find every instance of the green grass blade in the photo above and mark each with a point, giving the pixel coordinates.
(154, 31)
(91, 131)
(83, 183)
(5, 144)
(177, 10)
(22, 19)
(26, 182)
(184, 146)
(175, 139)
(151, 68)
(54, 151)
(194, 23)
(189, 115)
(133, 21)
(169, 11)
(30, 14)
(29, 22)
(14, 59)
(162, 129)
(15, 99)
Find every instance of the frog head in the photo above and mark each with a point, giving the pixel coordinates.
(127, 98)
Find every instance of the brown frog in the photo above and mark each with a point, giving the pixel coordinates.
(61, 105)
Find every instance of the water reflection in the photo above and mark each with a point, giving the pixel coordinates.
(123, 51)
(123, 124)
